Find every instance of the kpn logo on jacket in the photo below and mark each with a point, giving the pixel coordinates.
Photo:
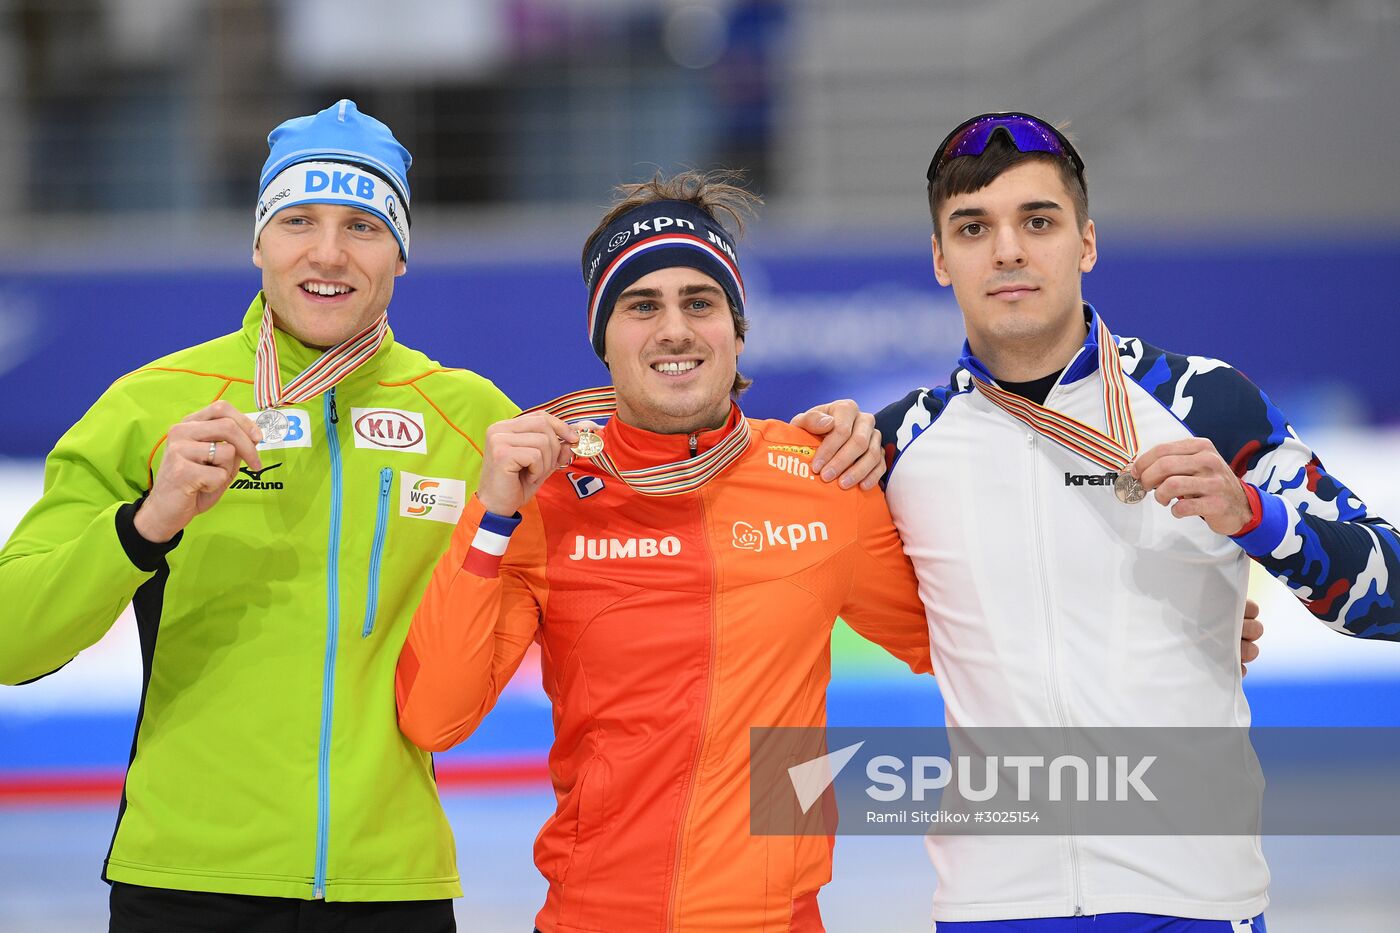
(752, 538)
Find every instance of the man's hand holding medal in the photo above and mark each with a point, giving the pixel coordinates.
(202, 456)
(522, 452)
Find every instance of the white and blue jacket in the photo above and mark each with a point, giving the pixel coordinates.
(1050, 603)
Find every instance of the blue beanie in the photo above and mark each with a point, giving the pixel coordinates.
(309, 164)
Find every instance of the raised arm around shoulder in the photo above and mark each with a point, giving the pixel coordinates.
(850, 450)
(472, 628)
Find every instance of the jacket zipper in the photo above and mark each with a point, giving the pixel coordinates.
(323, 795)
(386, 481)
(704, 713)
(1052, 658)
(694, 444)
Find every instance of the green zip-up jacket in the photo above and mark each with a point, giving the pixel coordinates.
(267, 758)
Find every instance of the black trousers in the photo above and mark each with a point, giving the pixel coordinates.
(137, 909)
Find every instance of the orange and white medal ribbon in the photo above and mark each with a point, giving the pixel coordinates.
(329, 369)
(666, 479)
(1114, 450)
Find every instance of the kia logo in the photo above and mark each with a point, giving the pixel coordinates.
(388, 429)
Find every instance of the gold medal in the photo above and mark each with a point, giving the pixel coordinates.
(665, 479)
(589, 444)
(1128, 490)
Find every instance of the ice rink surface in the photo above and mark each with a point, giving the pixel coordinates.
(50, 860)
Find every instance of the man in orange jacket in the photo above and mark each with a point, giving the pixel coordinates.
(682, 584)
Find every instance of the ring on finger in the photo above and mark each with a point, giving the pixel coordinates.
(213, 452)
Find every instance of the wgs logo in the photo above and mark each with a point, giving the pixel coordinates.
(422, 497)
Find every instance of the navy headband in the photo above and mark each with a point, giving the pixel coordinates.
(653, 236)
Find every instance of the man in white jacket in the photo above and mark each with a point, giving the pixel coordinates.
(1081, 509)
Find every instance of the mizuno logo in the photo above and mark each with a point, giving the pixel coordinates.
(255, 480)
(256, 475)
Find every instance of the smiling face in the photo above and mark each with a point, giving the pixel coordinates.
(328, 271)
(673, 352)
(1014, 253)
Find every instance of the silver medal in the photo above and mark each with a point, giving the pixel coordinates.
(589, 444)
(273, 424)
(1127, 489)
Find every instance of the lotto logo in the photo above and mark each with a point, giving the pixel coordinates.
(790, 464)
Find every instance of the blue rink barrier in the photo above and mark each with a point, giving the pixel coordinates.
(870, 324)
(516, 735)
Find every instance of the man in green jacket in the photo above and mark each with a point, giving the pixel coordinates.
(272, 502)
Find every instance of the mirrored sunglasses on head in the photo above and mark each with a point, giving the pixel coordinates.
(1026, 133)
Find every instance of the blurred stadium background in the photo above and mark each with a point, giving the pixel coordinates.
(1241, 171)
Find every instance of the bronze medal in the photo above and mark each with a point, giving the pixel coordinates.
(1128, 490)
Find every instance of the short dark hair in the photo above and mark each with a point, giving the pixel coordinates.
(718, 193)
(966, 174)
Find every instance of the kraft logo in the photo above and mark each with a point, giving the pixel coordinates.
(657, 224)
(624, 548)
(340, 183)
(618, 239)
(1090, 479)
(749, 538)
(389, 429)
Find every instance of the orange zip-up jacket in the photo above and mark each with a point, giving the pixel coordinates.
(668, 627)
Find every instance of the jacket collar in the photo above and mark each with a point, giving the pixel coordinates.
(632, 447)
(1085, 362)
